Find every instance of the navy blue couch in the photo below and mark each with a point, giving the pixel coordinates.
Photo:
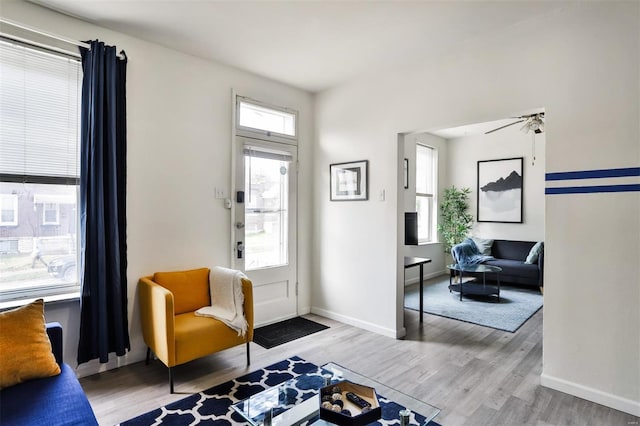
(510, 256)
(57, 400)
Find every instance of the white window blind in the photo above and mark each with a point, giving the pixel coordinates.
(39, 114)
(425, 190)
(424, 170)
(251, 151)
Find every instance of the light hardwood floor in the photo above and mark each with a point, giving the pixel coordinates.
(475, 375)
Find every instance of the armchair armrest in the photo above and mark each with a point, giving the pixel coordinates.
(157, 318)
(247, 290)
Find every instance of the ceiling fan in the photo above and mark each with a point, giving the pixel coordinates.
(532, 122)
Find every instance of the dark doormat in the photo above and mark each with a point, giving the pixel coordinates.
(285, 331)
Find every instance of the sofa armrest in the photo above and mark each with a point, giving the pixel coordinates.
(157, 318)
(54, 330)
(541, 267)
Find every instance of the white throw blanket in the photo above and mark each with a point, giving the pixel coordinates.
(227, 299)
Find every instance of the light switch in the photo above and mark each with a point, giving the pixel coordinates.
(381, 195)
(220, 193)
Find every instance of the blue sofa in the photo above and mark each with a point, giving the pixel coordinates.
(52, 401)
(510, 256)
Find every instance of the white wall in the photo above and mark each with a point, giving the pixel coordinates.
(464, 154)
(179, 148)
(580, 63)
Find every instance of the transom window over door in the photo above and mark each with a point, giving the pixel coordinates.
(262, 121)
(425, 190)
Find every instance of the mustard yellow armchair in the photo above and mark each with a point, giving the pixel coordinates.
(170, 328)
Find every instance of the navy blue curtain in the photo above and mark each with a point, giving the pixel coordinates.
(103, 316)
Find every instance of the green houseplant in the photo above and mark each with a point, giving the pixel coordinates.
(455, 221)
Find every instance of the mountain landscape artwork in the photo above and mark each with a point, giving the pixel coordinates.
(500, 190)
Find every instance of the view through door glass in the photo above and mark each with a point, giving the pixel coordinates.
(266, 211)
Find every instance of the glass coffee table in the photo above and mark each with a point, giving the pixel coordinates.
(475, 287)
(297, 401)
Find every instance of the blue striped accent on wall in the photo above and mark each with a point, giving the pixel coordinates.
(609, 175)
(590, 189)
(594, 174)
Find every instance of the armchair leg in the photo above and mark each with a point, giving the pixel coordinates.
(148, 356)
(248, 355)
(170, 380)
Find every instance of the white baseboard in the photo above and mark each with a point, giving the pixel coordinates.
(94, 366)
(396, 334)
(428, 276)
(590, 394)
(303, 310)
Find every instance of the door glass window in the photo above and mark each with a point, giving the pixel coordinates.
(266, 209)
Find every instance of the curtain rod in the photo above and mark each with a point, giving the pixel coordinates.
(44, 33)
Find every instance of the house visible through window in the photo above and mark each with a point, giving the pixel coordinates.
(39, 170)
(425, 189)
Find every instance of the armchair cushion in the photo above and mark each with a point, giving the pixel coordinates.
(190, 288)
(199, 336)
(25, 348)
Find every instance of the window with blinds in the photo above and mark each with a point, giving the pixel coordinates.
(40, 93)
(425, 192)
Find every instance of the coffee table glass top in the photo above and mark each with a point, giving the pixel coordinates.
(296, 401)
(474, 267)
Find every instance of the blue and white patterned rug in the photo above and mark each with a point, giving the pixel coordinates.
(213, 406)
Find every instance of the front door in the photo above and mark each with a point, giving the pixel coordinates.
(265, 225)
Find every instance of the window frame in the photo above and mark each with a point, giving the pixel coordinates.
(430, 197)
(58, 290)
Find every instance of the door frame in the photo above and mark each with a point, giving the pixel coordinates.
(236, 133)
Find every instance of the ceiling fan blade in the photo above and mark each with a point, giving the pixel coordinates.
(502, 127)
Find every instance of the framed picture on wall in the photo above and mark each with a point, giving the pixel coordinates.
(349, 181)
(500, 190)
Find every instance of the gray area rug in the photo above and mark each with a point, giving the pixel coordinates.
(516, 305)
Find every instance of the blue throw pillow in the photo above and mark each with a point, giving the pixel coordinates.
(534, 253)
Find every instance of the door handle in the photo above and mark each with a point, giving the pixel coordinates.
(239, 249)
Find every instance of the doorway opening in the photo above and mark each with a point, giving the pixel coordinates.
(459, 151)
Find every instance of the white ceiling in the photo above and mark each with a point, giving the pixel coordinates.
(312, 45)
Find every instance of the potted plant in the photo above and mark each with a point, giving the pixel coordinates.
(455, 221)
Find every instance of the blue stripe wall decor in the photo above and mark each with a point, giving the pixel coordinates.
(631, 175)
